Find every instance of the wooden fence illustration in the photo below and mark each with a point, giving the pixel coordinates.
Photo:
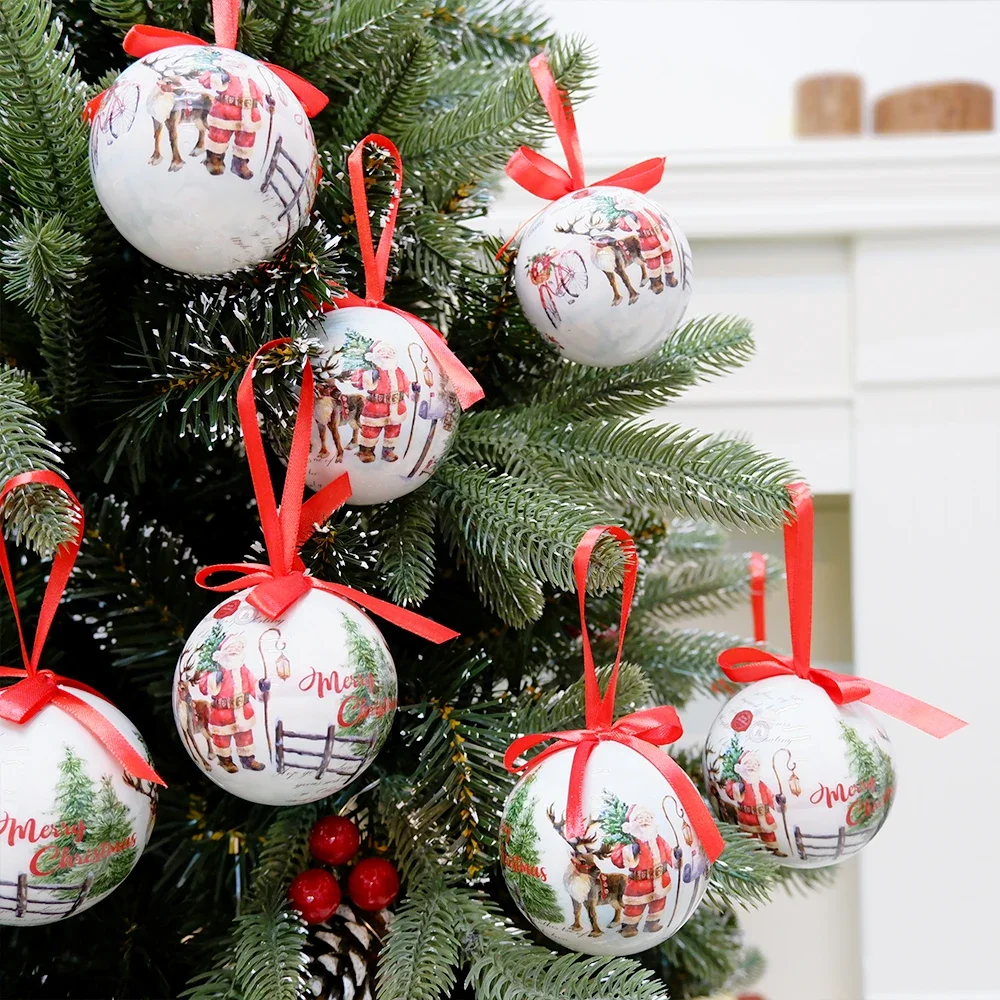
(329, 761)
(830, 846)
(21, 902)
(295, 194)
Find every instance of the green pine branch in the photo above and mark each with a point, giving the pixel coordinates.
(677, 664)
(137, 577)
(262, 957)
(391, 100)
(689, 538)
(421, 954)
(467, 143)
(493, 30)
(42, 138)
(696, 587)
(406, 559)
(38, 515)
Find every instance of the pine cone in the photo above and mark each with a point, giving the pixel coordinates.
(343, 954)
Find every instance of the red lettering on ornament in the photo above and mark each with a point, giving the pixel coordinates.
(519, 865)
(28, 831)
(833, 796)
(53, 858)
(357, 707)
(322, 683)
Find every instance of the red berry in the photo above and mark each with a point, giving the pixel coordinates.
(373, 883)
(315, 894)
(334, 840)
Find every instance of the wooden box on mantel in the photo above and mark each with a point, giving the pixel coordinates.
(828, 105)
(936, 107)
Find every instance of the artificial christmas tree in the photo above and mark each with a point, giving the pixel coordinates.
(123, 374)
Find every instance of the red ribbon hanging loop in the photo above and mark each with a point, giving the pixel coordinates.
(36, 688)
(278, 584)
(542, 177)
(645, 731)
(143, 39)
(376, 266)
(758, 584)
(744, 664)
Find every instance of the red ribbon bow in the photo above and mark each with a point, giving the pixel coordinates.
(376, 264)
(542, 177)
(142, 39)
(645, 731)
(282, 582)
(20, 702)
(745, 663)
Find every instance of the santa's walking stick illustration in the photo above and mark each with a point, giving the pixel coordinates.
(416, 390)
(793, 783)
(678, 853)
(265, 691)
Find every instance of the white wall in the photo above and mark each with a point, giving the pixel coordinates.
(701, 74)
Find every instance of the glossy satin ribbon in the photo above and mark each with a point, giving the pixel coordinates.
(376, 265)
(546, 179)
(758, 584)
(745, 663)
(36, 688)
(142, 39)
(278, 584)
(645, 731)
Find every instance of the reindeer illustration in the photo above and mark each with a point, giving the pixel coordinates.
(147, 788)
(612, 254)
(332, 407)
(622, 237)
(192, 717)
(171, 103)
(586, 884)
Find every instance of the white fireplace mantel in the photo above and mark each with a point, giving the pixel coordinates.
(815, 187)
(871, 271)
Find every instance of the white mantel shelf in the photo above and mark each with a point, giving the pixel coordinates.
(816, 187)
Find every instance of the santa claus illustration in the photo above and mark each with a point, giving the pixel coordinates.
(654, 245)
(235, 115)
(753, 799)
(387, 388)
(648, 859)
(231, 686)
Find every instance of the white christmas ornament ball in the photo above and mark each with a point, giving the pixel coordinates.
(203, 159)
(604, 275)
(812, 780)
(286, 711)
(73, 824)
(626, 882)
(384, 410)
